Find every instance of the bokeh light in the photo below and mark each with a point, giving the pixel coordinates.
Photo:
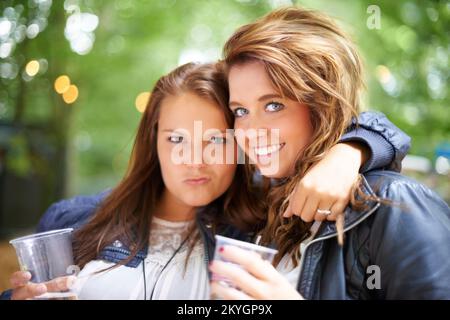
(80, 27)
(71, 95)
(141, 101)
(62, 84)
(387, 80)
(32, 68)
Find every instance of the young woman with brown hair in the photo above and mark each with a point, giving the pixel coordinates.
(140, 240)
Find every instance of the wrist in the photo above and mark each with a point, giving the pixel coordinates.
(356, 152)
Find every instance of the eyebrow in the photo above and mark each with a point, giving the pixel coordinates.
(175, 130)
(172, 131)
(262, 98)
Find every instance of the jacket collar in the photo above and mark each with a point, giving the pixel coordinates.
(120, 248)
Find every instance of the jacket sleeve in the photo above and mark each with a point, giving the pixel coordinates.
(388, 145)
(410, 243)
(6, 295)
(70, 213)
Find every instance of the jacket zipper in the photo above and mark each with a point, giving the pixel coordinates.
(123, 251)
(302, 260)
(206, 258)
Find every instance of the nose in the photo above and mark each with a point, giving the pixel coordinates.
(257, 129)
(193, 165)
(254, 121)
(197, 157)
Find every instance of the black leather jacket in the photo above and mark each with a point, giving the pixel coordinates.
(407, 241)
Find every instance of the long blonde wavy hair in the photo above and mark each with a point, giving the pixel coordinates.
(311, 60)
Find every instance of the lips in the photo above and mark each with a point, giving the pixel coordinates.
(197, 181)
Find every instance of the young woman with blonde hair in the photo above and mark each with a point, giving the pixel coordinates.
(296, 71)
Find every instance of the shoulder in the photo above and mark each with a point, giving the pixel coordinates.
(393, 186)
(406, 200)
(410, 215)
(71, 213)
(409, 238)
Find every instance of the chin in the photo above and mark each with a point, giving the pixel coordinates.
(198, 201)
(277, 173)
(271, 175)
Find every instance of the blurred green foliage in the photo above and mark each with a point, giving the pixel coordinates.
(137, 41)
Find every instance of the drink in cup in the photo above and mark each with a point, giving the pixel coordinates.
(47, 255)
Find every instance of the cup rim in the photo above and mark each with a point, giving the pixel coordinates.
(40, 235)
(246, 244)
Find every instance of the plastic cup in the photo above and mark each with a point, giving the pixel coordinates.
(46, 256)
(265, 253)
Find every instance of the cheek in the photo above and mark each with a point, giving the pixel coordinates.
(297, 129)
(168, 168)
(168, 174)
(163, 155)
(240, 138)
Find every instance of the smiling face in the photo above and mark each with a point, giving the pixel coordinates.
(183, 118)
(257, 105)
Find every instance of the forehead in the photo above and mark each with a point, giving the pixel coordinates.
(249, 80)
(183, 110)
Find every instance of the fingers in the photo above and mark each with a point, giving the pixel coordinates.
(28, 291)
(310, 208)
(296, 202)
(250, 261)
(306, 200)
(227, 293)
(338, 208)
(325, 204)
(60, 284)
(288, 212)
(340, 228)
(23, 289)
(238, 277)
(19, 278)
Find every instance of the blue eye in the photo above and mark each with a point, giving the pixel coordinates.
(175, 139)
(218, 140)
(240, 112)
(274, 107)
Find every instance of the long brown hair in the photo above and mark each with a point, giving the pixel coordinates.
(309, 59)
(126, 212)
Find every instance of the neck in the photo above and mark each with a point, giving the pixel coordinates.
(172, 209)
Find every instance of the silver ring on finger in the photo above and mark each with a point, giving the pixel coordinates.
(324, 212)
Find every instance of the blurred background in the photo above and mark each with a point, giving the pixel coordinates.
(75, 76)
